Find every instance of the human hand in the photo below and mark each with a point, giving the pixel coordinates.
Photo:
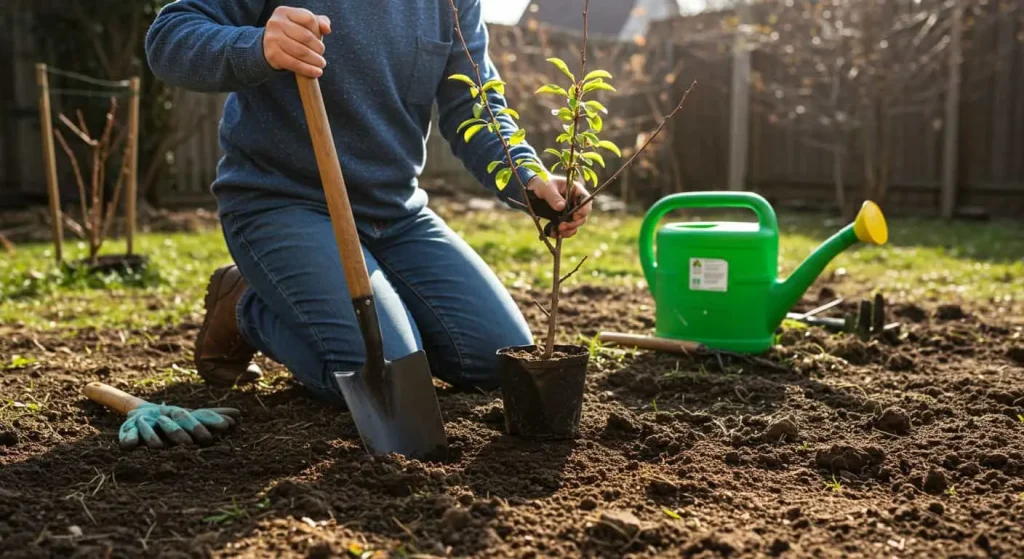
(291, 41)
(181, 426)
(553, 192)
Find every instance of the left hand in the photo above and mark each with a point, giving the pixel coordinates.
(553, 192)
(179, 425)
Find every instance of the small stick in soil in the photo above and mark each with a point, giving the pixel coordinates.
(864, 320)
(878, 315)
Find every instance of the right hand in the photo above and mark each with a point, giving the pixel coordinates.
(291, 41)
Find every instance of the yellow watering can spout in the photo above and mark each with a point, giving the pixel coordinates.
(868, 227)
(870, 224)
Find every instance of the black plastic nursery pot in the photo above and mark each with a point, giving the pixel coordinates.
(543, 399)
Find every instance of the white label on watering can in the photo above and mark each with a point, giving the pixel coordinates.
(709, 274)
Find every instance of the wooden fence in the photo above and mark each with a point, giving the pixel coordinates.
(694, 151)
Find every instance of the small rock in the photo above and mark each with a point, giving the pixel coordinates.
(783, 430)
(995, 460)
(793, 513)
(75, 531)
(455, 519)
(8, 438)
(778, 547)
(1016, 354)
(937, 508)
(465, 499)
(894, 420)
(732, 457)
(626, 522)
(588, 503)
(935, 481)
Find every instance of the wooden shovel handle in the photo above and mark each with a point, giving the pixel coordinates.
(112, 398)
(338, 205)
(649, 342)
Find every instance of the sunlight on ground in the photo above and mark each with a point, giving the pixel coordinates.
(926, 261)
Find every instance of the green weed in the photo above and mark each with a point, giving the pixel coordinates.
(671, 513)
(835, 485)
(227, 516)
(951, 491)
(17, 362)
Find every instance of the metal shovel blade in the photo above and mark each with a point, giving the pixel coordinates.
(399, 413)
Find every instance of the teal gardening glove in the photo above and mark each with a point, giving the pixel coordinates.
(181, 426)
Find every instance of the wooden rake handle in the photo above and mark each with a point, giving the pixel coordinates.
(338, 205)
(112, 398)
(649, 342)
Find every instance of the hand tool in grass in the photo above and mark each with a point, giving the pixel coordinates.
(393, 403)
(146, 421)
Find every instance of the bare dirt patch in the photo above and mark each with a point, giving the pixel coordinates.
(827, 446)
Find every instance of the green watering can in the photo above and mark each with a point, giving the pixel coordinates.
(716, 283)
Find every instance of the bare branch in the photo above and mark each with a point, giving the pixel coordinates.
(646, 143)
(574, 270)
(78, 131)
(78, 173)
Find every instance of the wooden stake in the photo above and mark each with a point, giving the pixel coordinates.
(50, 155)
(131, 194)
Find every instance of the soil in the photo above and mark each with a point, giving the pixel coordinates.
(828, 446)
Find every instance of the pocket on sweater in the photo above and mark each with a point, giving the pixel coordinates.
(427, 70)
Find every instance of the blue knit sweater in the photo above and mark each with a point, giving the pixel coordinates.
(387, 63)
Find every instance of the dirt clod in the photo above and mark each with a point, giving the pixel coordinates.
(935, 481)
(623, 521)
(778, 547)
(894, 420)
(855, 460)
(936, 507)
(782, 430)
(950, 312)
(995, 460)
(8, 438)
(455, 519)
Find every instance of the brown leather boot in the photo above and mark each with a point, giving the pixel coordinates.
(222, 356)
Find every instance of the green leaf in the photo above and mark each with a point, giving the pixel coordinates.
(496, 85)
(471, 131)
(518, 137)
(478, 110)
(510, 112)
(596, 123)
(556, 165)
(553, 151)
(671, 513)
(597, 86)
(605, 144)
(493, 166)
(593, 156)
(551, 88)
(533, 166)
(464, 79)
(597, 74)
(468, 122)
(562, 138)
(474, 92)
(597, 106)
(561, 65)
(591, 139)
(573, 93)
(494, 127)
(564, 114)
(590, 175)
(504, 175)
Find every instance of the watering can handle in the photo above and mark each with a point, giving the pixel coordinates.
(746, 200)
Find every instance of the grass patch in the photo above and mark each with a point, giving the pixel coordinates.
(925, 260)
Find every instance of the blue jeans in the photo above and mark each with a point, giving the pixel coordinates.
(432, 291)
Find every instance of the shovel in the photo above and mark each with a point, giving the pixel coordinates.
(393, 403)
